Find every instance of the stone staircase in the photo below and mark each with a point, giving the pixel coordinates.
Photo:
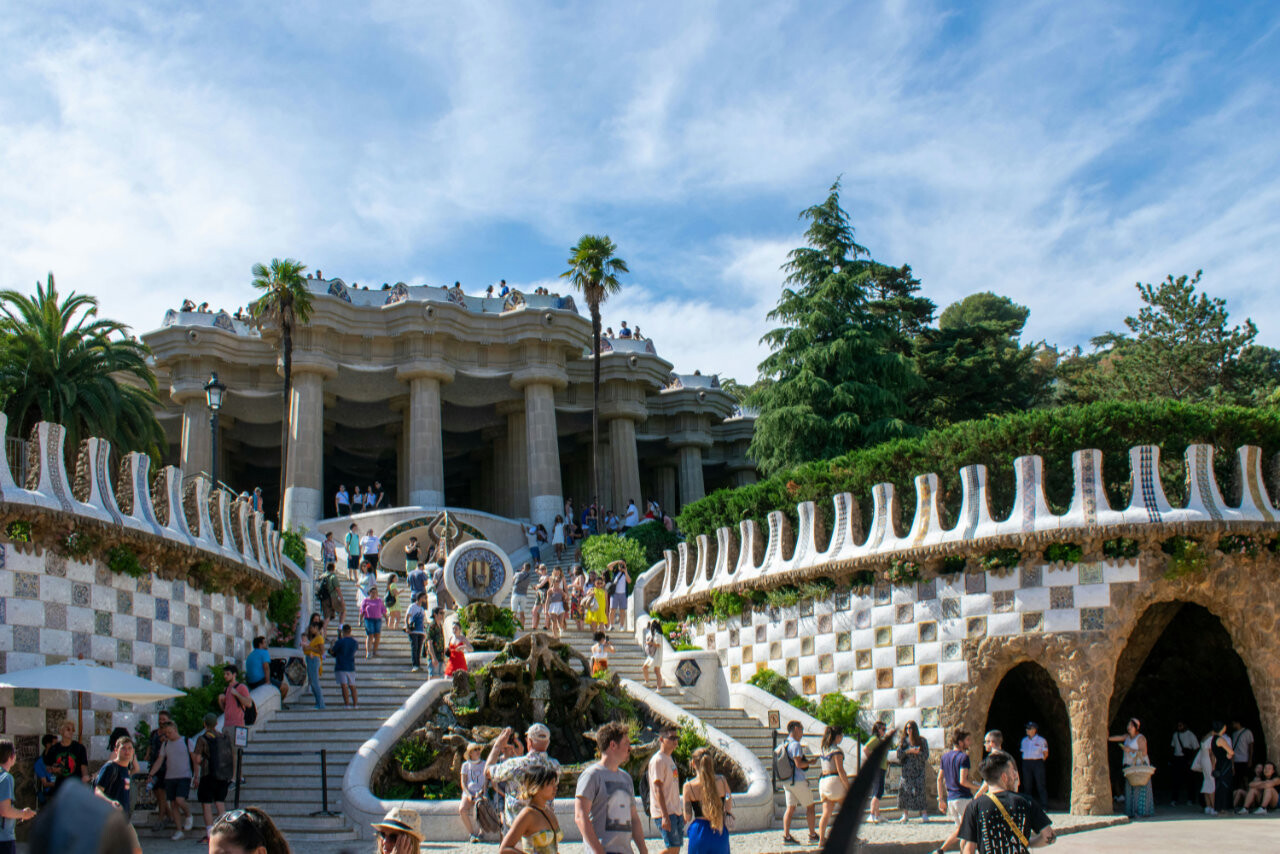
(735, 723)
(289, 787)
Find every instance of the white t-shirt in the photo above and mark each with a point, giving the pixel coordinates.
(532, 534)
(370, 544)
(633, 516)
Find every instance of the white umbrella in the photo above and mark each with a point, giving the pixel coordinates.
(91, 678)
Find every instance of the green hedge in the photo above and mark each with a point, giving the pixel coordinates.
(655, 539)
(1054, 434)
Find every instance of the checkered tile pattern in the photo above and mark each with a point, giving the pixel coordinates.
(52, 609)
(895, 648)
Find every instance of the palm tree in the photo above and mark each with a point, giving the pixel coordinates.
(594, 272)
(285, 304)
(59, 362)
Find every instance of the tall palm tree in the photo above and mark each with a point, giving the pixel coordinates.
(59, 362)
(285, 303)
(593, 271)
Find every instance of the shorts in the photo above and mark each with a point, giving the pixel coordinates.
(372, 627)
(674, 837)
(831, 789)
(798, 793)
(345, 677)
(618, 602)
(877, 786)
(556, 608)
(353, 561)
(179, 788)
(519, 604)
(956, 808)
(212, 789)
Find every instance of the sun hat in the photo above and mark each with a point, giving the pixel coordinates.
(401, 820)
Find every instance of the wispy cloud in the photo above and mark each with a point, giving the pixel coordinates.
(1056, 153)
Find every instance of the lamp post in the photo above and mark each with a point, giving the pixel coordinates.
(214, 390)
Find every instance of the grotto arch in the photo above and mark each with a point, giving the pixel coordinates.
(1028, 692)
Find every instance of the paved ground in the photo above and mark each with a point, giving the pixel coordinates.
(1173, 831)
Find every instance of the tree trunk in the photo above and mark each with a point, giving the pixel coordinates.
(595, 405)
(286, 347)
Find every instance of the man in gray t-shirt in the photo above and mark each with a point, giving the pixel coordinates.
(605, 803)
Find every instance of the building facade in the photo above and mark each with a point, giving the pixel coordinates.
(444, 399)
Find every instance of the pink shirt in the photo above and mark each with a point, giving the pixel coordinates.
(233, 713)
(373, 608)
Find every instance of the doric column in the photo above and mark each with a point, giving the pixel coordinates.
(517, 478)
(626, 463)
(501, 474)
(303, 501)
(667, 488)
(543, 453)
(197, 451)
(690, 465)
(424, 439)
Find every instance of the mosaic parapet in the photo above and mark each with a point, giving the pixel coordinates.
(162, 507)
(756, 559)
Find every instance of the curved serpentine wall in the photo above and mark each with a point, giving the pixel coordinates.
(56, 603)
(934, 649)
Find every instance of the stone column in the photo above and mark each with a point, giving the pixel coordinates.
(690, 464)
(501, 474)
(197, 436)
(744, 477)
(303, 501)
(543, 453)
(667, 489)
(423, 438)
(517, 477)
(626, 463)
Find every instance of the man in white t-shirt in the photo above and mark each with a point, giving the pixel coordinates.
(619, 578)
(369, 546)
(633, 516)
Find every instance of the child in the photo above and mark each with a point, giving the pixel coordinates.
(472, 784)
(600, 653)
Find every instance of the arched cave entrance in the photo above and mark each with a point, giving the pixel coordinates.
(1179, 664)
(1029, 693)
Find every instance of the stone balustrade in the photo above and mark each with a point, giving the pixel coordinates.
(165, 510)
(757, 559)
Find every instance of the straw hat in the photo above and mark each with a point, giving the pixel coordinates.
(401, 820)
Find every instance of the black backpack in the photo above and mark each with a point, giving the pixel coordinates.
(219, 754)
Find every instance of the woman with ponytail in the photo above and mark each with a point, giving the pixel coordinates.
(706, 799)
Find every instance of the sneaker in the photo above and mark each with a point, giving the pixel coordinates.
(1241, 811)
(189, 823)
(177, 835)
(475, 840)
(1210, 811)
(414, 669)
(1260, 811)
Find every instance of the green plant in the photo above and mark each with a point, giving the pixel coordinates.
(503, 624)
(840, 711)
(903, 572)
(803, 704)
(122, 560)
(1239, 544)
(785, 596)
(693, 734)
(414, 754)
(1001, 559)
(952, 564)
(1065, 552)
(1120, 548)
(603, 549)
(725, 604)
(400, 791)
(18, 531)
(284, 608)
(293, 546)
(863, 579)
(80, 544)
(654, 538)
(773, 682)
(188, 711)
(680, 634)
(1185, 556)
(441, 790)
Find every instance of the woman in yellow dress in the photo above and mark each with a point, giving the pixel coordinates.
(598, 613)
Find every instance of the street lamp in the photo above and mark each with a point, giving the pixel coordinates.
(214, 391)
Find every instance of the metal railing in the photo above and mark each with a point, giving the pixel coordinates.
(16, 450)
(324, 775)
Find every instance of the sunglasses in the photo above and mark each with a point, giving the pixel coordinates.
(389, 835)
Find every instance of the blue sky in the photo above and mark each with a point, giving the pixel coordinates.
(1053, 152)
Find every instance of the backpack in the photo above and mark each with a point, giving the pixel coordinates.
(784, 767)
(219, 756)
(251, 713)
(327, 583)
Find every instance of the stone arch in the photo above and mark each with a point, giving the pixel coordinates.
(1027, 692)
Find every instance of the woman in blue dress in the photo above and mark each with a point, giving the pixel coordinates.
(706, 806)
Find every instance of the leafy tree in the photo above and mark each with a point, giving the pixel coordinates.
(892, 300)
(837, 384)
(285, 303)
(654, 538)
(593, 271)
(1179, 347)
(603, 549)
(60, 362)
(973, 365)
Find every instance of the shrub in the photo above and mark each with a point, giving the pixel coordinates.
(79, 544)
(693, 734)
(680, 634)
(293, 546)
(18, 531)
(1001, 559)
(123, 561)
(1120, 548)
(1185, 556)
(414, 754)
(725, 604)
(603, 549)
(773, 682)
(952, 564)
(903, 572)
(284, 607)
(188, 711)
(1239, 544)
(654, 538)
(503, 624)
(1111, 427)
(1065, 552)
(840, 711)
